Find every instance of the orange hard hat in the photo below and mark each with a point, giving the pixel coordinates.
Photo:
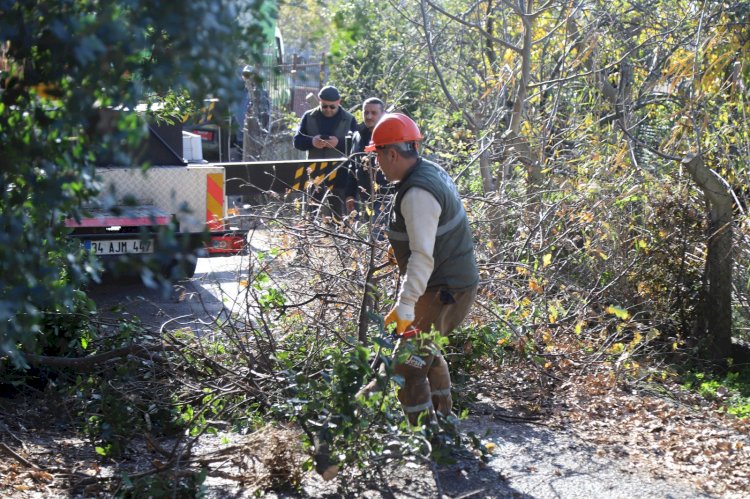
(392, 129)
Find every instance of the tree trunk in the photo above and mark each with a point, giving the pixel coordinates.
(517, 143)
(251, 133)
(718, 305)
(488, 186)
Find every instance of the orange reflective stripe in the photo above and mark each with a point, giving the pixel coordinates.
(215, 201)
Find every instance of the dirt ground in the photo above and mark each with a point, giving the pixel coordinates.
(586, 437)
(590, 440)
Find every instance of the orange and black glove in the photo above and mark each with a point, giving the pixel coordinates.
(401, 324)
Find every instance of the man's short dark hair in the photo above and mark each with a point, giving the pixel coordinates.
(406, 150)
(374, 100)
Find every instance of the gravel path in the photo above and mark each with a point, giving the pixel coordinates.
(529, 461)
(536, 461)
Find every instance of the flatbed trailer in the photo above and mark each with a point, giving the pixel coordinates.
(135, 204)
(194, 197)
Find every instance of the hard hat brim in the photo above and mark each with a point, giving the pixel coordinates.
(370, 148)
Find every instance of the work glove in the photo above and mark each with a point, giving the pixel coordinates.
(402, 324)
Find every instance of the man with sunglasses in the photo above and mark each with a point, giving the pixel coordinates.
(322, 134)
(432, 243)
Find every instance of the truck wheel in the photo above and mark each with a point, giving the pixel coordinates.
(190, 267)
(177, 270)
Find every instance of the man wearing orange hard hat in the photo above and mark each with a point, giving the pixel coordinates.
(432, 242)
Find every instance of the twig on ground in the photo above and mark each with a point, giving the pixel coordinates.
(436, 477)
(92, 361)
(469, 494)
(19, 458)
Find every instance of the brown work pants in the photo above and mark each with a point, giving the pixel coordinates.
(427, 382)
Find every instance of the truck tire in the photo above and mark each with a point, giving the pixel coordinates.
(178, 270)
(190, 266)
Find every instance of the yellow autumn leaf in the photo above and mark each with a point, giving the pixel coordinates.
(637, 337)
(48, 91)
(618, 312)
(579, 327)
(553, 314)
(546, 259)
(616, 348)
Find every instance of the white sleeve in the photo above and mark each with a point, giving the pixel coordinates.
(421, 212)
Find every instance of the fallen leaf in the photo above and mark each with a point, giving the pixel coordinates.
(42, 476)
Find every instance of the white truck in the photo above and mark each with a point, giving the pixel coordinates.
(136, 204)
(181, 192)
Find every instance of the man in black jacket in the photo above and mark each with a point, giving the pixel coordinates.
(322, 133)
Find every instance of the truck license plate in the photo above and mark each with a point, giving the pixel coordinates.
(119, 247)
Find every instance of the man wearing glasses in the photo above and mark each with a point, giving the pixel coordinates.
(322, 134)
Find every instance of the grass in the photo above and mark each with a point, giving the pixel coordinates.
(731, 390)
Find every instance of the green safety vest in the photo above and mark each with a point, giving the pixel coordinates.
(313, 129)
(455, 266)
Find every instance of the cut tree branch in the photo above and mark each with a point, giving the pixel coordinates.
(92, 361)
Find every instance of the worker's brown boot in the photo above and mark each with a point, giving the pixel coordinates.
(415, 399)
(440, 386)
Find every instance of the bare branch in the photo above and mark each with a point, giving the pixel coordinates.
(92, 361)
(484, 33)
(433, 62)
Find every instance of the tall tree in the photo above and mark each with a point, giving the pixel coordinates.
(648, 96)
(696, 61)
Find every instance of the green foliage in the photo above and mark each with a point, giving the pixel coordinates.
(346, 430)
(120, 404)
(68, 331)
(373, 56)
(269, 297)
(163, 485)
(65, 62)
(730, 391)
(352, 431)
